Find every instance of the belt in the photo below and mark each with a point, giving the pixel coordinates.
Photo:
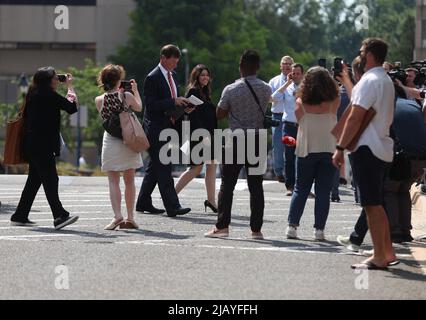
(278, 113)
(294, 124)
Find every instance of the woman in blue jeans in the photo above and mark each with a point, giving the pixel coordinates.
(316, 106)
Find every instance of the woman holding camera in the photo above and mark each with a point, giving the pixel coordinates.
(42, 142)
(116, 156)
(202, 117)
(316, 107)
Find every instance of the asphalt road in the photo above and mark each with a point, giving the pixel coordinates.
(169, 258)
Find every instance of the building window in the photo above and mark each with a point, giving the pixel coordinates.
(73, 46)
(50, 2)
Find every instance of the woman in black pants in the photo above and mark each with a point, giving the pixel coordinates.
(42, 144)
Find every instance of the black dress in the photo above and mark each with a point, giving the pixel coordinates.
(203, 117)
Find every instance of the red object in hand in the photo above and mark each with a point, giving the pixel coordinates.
(289, 141)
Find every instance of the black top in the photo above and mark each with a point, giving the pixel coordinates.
(204, 116)
(43, 121)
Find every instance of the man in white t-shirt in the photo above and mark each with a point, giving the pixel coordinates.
(374, 151)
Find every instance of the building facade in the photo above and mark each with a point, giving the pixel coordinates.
(30, 37)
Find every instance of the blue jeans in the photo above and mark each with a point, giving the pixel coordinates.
(278, 146)
(318, 168)
(289, 157)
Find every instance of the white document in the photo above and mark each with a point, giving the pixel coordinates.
(195, 101)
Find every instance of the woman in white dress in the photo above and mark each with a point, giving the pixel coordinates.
(116, 156)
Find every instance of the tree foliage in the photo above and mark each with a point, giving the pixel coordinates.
(216, 32)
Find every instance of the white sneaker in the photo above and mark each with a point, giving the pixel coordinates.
(291, 232)
(366, 253)
(319, 235)
(346, 242)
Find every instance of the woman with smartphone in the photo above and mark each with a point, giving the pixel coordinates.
(42, 139)
(202, 117)
(116, 156)
(316, 107)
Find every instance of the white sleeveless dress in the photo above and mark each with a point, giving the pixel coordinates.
(116, 156)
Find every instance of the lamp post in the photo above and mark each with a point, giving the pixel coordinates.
(185, 52)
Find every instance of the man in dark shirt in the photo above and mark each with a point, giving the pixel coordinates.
(410, 131)
(245, 110)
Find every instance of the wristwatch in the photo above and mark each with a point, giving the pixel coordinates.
(340, 148)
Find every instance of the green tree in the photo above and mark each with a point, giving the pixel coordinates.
(215, 33)
(86, 87)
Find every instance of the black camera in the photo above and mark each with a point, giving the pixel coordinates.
(126, 85)
(62, 77)
(398, 73)
(420, 66)
(268, 122)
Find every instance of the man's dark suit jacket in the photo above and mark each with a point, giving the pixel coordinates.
(158, 100)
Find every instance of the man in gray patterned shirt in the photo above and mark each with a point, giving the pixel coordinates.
(239, 104)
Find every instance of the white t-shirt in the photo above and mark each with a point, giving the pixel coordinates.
(375, 89)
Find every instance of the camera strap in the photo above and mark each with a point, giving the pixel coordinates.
(255, 96)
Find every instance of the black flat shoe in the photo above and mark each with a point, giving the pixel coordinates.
(178, 212)
(208, 204)
(335, 199)
(22, 223)
(150, 210)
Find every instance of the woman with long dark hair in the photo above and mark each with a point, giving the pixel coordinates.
(42, 142)
(202, 117)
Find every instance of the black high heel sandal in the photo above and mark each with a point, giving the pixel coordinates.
(208, 204)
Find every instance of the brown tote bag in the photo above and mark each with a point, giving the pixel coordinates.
(14, 145)
(133, 134)
(338, 129)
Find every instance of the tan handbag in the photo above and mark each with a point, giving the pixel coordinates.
(133, 134)
(14, 145)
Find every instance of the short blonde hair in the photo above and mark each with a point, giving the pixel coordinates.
(287, 58)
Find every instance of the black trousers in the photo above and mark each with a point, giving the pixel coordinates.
(156, 172)
(361, 228)
(42, 171)
(230, 173)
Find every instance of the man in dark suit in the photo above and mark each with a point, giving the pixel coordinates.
(161, 95)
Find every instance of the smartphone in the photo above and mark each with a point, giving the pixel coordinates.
(337, 67)
(62, 77)
(126, 85)
(322, 63)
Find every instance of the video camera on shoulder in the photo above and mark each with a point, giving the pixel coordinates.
(420, 66)
(398, 73)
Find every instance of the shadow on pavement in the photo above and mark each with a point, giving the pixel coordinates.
(78, 233)
(154, 234)
(7, 208)
(407, 275)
